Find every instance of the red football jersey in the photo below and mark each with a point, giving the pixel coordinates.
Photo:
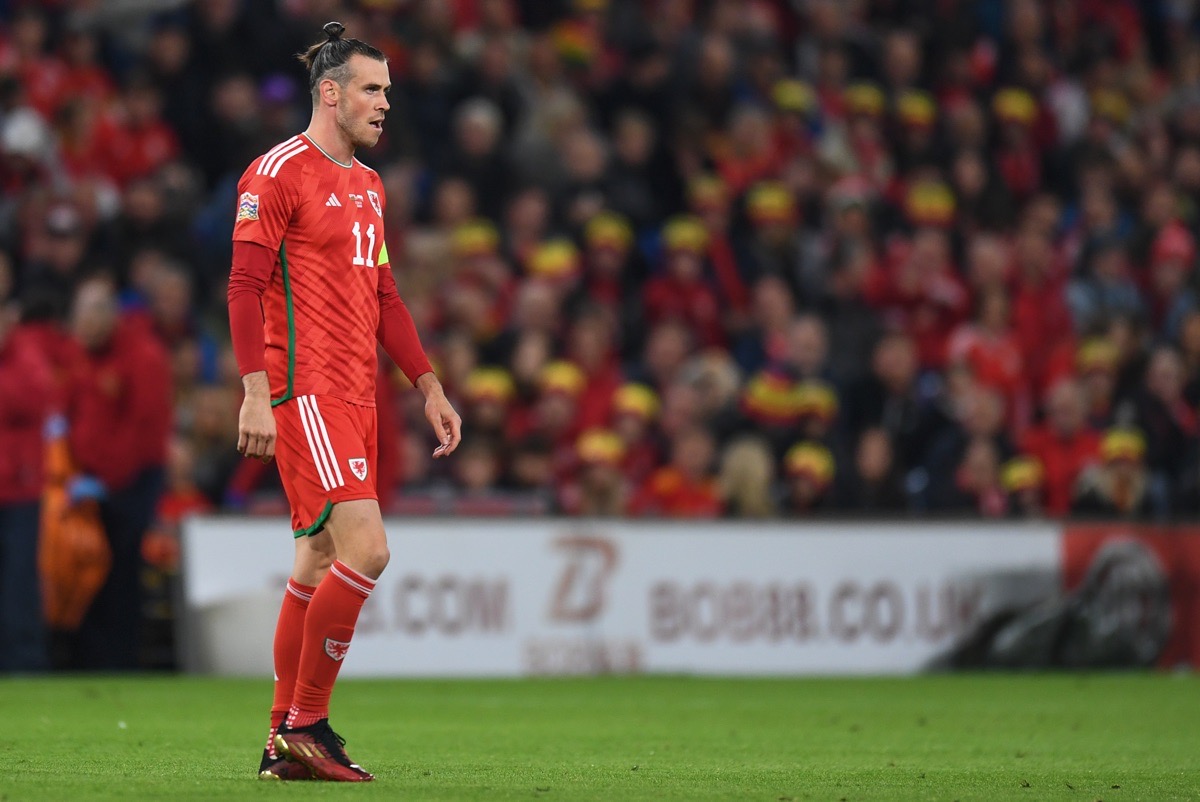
(321, 308)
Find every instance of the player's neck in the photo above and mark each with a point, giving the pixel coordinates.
(330, 140)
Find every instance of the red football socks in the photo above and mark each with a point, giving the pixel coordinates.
(289, 637)
(328, 628)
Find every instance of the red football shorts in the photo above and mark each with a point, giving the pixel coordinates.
(327, 450)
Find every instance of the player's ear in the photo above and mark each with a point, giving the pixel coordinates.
(329, 91)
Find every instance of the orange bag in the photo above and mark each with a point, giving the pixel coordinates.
(74, 557)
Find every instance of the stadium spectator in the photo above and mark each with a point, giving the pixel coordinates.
(957, 462)
(591, 345)
(809, 471)
(1118, 487)
(635, 411)
(1096, 366)
(27, 397)
(870, 217)
(746, 478)
(975, 486)
(119, 414)
(682, 291)
(477, 470)
(1170, 426)
(874, 485)
(771, 312)
(601, 489)
(1062, 444)
(686, 487)
(988, 347)
(920, 290)
(890, 399)
(181, 497)
(1024, 481)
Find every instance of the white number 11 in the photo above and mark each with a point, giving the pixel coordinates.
(358, 257)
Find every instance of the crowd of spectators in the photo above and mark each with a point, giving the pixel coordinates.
(669, 257)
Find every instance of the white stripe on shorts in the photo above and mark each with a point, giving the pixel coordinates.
(337, 471)
(314, 443)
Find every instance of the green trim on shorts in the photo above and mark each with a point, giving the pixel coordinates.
(291, 324)
(318, 524)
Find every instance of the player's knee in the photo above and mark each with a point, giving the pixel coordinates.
(375, 559)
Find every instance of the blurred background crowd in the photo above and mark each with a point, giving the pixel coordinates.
(669, 257)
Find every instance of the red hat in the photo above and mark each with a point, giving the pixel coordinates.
(1173, 243)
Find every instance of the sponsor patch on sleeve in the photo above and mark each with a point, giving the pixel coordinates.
(247, 207)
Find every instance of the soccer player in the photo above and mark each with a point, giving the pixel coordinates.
(310, 292)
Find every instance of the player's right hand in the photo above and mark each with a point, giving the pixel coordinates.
(256, 428)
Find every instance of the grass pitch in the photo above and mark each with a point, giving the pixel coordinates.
(1107, 737)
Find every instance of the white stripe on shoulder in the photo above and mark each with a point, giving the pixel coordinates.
(269, 164)
(270, 154)
(270, 161)
(283, 144)
(337, 471)
(313, 442)
(283, 157)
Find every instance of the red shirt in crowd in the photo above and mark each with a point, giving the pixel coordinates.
(89, 82)
(640, 460)
(61, 352)
(131, 152)
(1063, 459)
(120, 407)
(994, 358)
(734, 291)
(671, 494)
(1040, 318)
(45, 81)
(928, 309)
(739, 172)
(595, 402)
(26, 382)
(693, 303)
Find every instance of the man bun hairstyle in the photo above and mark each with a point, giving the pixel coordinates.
(328, 58)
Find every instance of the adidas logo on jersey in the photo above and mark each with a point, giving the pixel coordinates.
(333, 201)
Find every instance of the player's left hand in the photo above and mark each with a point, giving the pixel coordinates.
(446, 423)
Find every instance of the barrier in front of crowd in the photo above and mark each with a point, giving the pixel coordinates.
(468, 597)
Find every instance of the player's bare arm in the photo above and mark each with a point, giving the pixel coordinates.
(256, 421)
(446, 423)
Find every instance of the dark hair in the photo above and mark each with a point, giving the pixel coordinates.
(327, 58)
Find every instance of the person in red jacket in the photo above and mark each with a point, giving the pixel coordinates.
(25, 386)
(1063, 444)
(133, 137)
(917, 288)
(119, 414)
(682, 292)
(686, 488)
(988, 345)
